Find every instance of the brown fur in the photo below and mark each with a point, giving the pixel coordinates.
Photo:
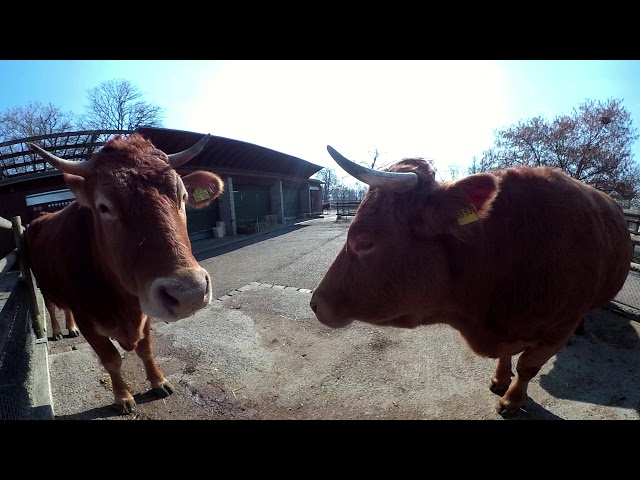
(112, 256)
(546, 250)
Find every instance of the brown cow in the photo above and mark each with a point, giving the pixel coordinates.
(120, 255)
(512, 260)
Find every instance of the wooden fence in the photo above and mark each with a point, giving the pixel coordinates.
(25, 384)
(19, 255)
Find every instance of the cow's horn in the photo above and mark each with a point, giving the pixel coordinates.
(180, 158)
(396, 181)
(66, 166)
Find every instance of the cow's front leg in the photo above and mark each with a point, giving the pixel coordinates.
(112, 362)
(502, 377)
(529, 364)
(159, 384)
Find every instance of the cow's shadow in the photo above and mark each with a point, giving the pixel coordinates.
(533, 411)
(600, 366)
(109, 410)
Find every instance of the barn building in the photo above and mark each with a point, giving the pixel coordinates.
(263, 187)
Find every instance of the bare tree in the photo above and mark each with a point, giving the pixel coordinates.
(359, 190)
(328, 176)
(116, 105)
(22, 122)
(376, 162)
(375, 155)
(473, 168)
(335, 190)
(454, 171)
(593, 145)
(32, 120)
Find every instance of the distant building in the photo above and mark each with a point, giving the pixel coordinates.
(263, 187)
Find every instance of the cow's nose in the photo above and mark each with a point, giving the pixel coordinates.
(325, 310)
(181, 294)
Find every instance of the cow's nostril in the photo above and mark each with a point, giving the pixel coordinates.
(208, 287)
(168, 299)
(313, 305)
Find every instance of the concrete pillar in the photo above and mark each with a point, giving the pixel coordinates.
(227, 207)
(305, 199)
(277, 201)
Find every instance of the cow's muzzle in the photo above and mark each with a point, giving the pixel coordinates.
(326, 314)
(179, 295)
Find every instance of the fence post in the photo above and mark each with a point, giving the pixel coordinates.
(34, 306)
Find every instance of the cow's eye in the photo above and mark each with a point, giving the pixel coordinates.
(103, 208)
(363, 244)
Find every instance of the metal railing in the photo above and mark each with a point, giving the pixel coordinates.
(16, 159)
(346, 209)
(633, 222)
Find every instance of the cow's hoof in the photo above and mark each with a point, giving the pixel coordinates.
(74, 332)
(498, 389)
(57, 336)
(125, 407)
(506, 411)
(164, 390)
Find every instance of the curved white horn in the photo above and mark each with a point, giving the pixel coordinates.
(180, 158)
(67, 166)
(395, 181)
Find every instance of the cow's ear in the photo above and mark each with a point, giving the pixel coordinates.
(202, 188)
(478, 190)
(76, 184)
(452, 208)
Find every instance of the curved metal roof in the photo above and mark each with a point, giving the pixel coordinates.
(221, 155)
(227, 156)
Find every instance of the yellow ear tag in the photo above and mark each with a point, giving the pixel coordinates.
(200, 194)
(467, 215)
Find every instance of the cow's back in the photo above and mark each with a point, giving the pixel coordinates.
(558, 245)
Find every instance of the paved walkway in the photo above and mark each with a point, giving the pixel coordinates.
(231, 360)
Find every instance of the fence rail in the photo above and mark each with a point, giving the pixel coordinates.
(8, 261)
(633, 223)
(25, 386)
(346, 209)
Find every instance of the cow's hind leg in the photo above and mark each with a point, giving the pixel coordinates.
(71, 323)
(159, 384)
(529, 364)
(112, 362)
(56, 331)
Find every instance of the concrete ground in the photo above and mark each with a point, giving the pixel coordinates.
(260, 353)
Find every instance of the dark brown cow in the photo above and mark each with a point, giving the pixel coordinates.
(513, 260)
(120, 255)
(56, 330)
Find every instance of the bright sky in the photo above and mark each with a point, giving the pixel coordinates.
(446, 110)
